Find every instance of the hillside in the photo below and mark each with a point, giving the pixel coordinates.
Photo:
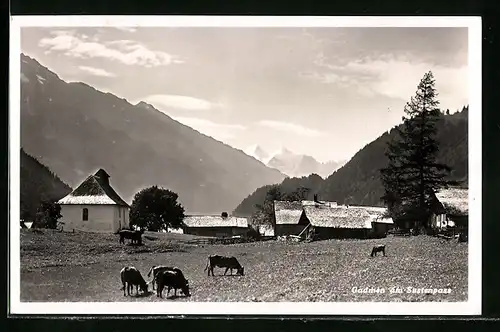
(289, 185)
(75, 129)
(358, 181)
(38, 184)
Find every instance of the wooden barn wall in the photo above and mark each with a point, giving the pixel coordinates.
(460, 221)
(215, 231)
(379, 228)
(288, 229)
(323, 233)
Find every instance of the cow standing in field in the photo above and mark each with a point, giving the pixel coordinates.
(172, 279)
(131, 277)
(134, 236)
(378, 248)
(155, 270)
(229, 263)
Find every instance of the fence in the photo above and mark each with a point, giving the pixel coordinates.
(229, 240)
(399, 232)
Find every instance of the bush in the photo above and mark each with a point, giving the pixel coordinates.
(253, 234)
(47, 215)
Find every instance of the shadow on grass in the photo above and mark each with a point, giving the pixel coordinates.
(146, 294)
(135, 244)
(175, 297)
(226, 275)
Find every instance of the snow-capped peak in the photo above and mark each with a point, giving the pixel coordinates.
(257, 152)
(291, 163)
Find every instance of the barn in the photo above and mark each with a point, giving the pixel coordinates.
(329, 222)
(215, 225)
(381, 223)
(94, 206)
(451, 209)
(26, 224)
(289, 217)
(318, 202)
(265, 230)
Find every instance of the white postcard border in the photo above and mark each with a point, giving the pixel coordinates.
(471, 307)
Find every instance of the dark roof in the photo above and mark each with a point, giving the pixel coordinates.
(94, 190)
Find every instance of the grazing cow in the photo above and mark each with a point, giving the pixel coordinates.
(155, 270)
(131, 277)
(378, 248)
(223, 262)
(134, 236)
(172, 279)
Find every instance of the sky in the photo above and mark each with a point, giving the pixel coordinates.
(324, 92)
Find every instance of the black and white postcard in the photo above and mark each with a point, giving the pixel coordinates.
(245, 165)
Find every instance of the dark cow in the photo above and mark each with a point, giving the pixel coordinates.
(155, 270)
(378, 248)
(172, 279)
(229, 263)
(134, 236)
(131, 277)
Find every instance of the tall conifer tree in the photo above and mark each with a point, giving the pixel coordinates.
(413, 175)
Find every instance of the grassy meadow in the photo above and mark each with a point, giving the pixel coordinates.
(86, 267)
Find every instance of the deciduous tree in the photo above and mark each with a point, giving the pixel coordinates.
(155, 208)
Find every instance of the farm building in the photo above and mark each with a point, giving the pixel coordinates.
(381, 223)
(405, 223)
(329, 220)
(26, 224)
(94, 206)
(289, 217)
(215, 225)
(451, 208)
(318, 202)
(266, 230)
(173, 230)
(338, 221)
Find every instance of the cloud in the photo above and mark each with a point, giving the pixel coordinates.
(396, 78)
(182, 102)
(132, 46)
(126, 44)
(96, 71)
(218, 131)
(79, 47)
(126, 29)
(291, 128)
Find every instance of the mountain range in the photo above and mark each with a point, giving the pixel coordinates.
(358, 181)
(293, 164)
(74, 129)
